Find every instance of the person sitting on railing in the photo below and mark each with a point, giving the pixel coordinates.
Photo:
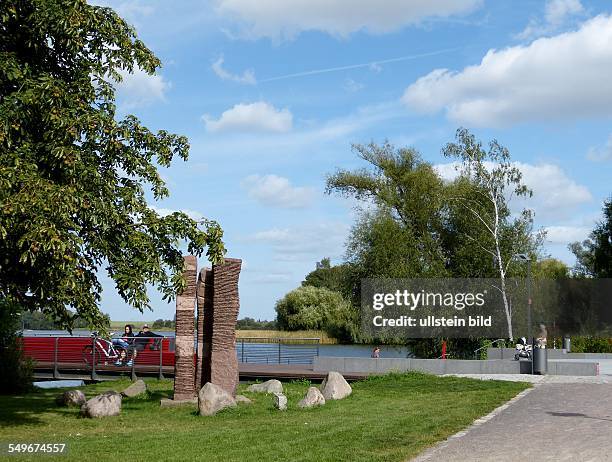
(141, 340)
(124, 342)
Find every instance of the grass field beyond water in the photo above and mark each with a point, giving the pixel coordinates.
(117, 326)
(387, 418)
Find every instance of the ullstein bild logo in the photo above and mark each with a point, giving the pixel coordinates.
(425, 308)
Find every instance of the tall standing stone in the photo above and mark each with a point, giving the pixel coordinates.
(184, 370)
(220, 361)
(205, 298)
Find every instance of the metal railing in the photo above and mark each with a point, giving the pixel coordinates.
(488, 345)
(262, 350)
(96, 356)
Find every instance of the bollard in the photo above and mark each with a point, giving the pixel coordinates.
(160, 375)
(540, 361)
(94, 375)
(55, 357)
(567, 344)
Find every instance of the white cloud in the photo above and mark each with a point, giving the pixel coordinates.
(253, 117)
(285, 19)
(566, 234)
(555, 195)
(601, 153)
(352, 86)
(247, 77)
(271, 277)
(562, 77)
(553, 191)
(376, 68)
(305, 243)
(277, 191)
(557, 12)
(141, 89)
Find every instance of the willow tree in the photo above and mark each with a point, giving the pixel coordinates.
(404, 201)
(73, 174)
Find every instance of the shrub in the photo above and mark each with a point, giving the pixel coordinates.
(15, 371)
(588, 344)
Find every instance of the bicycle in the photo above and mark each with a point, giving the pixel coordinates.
(104, 351)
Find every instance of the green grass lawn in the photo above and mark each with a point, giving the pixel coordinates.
(387, 418)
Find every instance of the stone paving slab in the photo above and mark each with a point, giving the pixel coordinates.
(549, 422)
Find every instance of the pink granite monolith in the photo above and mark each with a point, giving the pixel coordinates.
(220, 316)
(184, 370)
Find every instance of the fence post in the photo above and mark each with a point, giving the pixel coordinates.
(279, 351)
(55, 369)
(133, 372)
(161, 362)
(242, 353)
(94, 376)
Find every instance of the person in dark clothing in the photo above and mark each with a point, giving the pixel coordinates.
(141, 340)
(124, 342)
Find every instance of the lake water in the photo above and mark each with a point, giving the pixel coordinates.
(59, 383)
(354, 351)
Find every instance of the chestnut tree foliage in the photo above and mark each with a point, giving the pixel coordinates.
(73, 175)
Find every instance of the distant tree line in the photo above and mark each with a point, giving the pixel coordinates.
(37, 320)
(242, 324)
(247, 323)
(163, 323)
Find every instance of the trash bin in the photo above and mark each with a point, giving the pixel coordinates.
(540, 361)
(566, 344)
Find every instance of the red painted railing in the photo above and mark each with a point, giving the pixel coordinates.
(91, 354)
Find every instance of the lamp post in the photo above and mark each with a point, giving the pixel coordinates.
(523, 257)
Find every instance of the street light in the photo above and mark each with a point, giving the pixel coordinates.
(523, 257)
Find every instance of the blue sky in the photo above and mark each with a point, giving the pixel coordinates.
(272, 93)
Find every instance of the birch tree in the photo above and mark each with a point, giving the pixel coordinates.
(493, 181)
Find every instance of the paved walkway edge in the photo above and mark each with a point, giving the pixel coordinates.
(431, 452)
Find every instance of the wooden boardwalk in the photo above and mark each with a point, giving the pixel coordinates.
(247, 371)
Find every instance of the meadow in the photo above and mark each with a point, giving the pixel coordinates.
(387, 418)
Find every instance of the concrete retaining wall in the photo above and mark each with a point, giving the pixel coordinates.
(448, 366)
(572, 368)
(433, 366)
(508, 353)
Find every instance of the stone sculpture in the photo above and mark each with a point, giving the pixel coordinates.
(216, 293)
(184, 370)
(220, 364)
